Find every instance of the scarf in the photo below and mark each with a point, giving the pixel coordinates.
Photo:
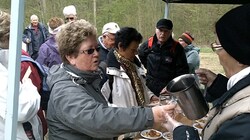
(136, 82)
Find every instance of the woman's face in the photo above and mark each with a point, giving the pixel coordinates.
(182, 42)
(229, 64)
(88, 56)
(130, 52)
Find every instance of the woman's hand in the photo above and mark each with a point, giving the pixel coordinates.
(154, 98)
(160, 112)
(206, 77)
(170, 124)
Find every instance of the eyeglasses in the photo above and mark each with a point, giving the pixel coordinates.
(90, 51)
(215, 47)
(69, 18)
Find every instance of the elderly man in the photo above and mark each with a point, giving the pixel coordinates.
(34, 36)
(106, 42)
(69, 13)
(163, 57)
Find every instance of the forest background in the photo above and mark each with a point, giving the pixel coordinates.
(198, 19)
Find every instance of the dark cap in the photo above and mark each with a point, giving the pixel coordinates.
(164, 23)
(233, 30)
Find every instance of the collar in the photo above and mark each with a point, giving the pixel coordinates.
(112, 61)
(244, 82)
(101, 42)
(238, 76)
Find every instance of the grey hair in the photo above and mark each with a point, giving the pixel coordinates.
(34, 17)
(4, 29)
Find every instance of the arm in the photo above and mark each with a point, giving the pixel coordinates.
(236, 128)
(180, 131)
(143, 53)
(26, 38)
(216, 84)
(29, 99)
(193, 60)
(181, 61)
(43, 55)
(185, 132)
(217, 89)
(91, 117)
(95, 119)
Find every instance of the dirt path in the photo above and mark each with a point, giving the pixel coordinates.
(210, 61)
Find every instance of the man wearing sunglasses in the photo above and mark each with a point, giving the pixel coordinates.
(106, 42)
(69, 13)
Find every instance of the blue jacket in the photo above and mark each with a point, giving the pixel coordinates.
(193, 58)
(36, 40)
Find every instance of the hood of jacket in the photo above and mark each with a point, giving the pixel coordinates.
(65, 72)
(191, 47)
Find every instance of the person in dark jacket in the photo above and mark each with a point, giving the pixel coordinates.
(48, 54)
(106, 42)
(163, 57)
(34, 36)
(229, 118)
(77, 110)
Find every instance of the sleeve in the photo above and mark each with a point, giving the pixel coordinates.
(106, 90)
(143, 53)
(25, 35)
(185, 132)
(193, 59)
(181, 61)
(46, 32)
(84, 114)
(217, 89)
(234, 129)
(43, 55)
(29, 101)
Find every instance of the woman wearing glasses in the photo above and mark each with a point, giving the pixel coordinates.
(229, 118)
(77, 109)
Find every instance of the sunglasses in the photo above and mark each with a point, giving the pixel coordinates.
(90, 51)
(69, 18)
(215, 47)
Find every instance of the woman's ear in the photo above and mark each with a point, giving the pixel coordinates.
(120, 47)
(71, 59)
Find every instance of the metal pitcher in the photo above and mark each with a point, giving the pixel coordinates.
(189, 96)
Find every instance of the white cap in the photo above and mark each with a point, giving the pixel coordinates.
(110, 27)
(69, 10)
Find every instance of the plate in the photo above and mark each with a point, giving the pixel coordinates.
(167, 136)
(151, 134)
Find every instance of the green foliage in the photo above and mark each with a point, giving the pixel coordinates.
(198, 19)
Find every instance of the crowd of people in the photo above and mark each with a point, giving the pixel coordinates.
(100, 87)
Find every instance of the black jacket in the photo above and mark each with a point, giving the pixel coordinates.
(163, 63)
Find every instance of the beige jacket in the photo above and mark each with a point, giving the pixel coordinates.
(238, 104)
